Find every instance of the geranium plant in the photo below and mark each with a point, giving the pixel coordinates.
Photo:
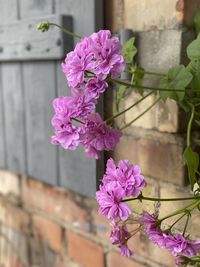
(92, 68)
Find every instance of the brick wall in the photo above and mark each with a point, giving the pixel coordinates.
(44, 226)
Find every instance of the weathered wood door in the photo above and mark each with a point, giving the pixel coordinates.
(30, 78)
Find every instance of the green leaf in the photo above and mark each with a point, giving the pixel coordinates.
(194, 68)
(193, 49)
(129, 50)
(197, 21)
(138, 77)
(192, 160)
(178, 77)
(119, 96)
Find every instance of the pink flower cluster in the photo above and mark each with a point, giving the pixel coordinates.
(177, 244)
(118, 183)
(99, 54)
(75, 121)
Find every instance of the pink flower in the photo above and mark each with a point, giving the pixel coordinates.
(107, 50)
(99, 53)
(119, 236)
(95, 87)
(67, 109)
(98, 136)
(178, 245)
(75, 123)
(77, 62)
(109, 198)
(128, 176)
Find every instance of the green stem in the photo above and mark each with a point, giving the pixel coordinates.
(66, 30)
(146, 110)
(125, 110)
(176, 222)
(154, 73)
(190, 124)
(143, 87)
(190, 207)
(186, 223)
(132, 78)
(141, 197)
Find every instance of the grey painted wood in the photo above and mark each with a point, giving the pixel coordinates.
(77, 172)
(35, 8)
(62, 85)
(2, 133)
(87, 14)
(37, 81)
(8, 11)
(14, 116)
(39, 84)
(22, 41)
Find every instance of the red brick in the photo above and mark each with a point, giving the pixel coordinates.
(14, 262)
(62, 205)
(13, 216)
(116, 260)
(65, 262)
(101, 225)
(48, 231)
(84, 251)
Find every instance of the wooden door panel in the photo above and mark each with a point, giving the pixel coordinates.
(39, 84)
(30, 78)
(14, 123)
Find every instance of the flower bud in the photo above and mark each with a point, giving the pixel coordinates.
(43, 26)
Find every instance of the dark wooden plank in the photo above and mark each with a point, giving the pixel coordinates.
(76, 170)
(39, 84)
(2, 127)
(14, 116)
(22, 41)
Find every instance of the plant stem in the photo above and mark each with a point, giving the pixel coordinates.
(143, 87)
(146, 110)
(154, 73)
(186, 223)
(125, 110)
(190, 124)
(141, 197)
(176, 221)
(66, 30)
(190, 207)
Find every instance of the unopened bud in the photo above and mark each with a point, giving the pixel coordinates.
(43, 26)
